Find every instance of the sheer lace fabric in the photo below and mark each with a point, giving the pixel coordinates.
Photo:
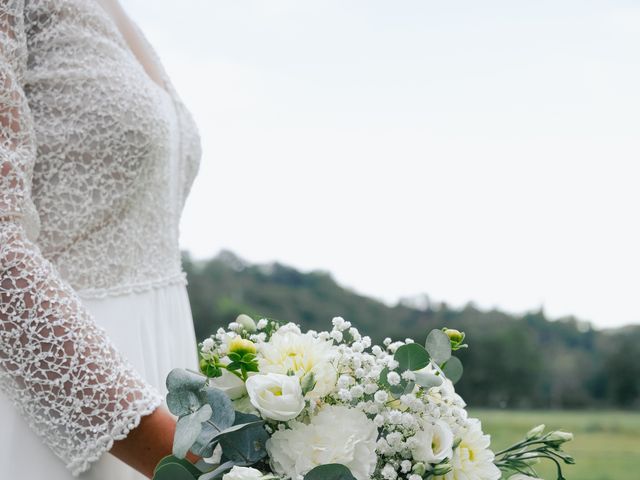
(96, 161)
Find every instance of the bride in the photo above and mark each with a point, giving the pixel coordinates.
(97, 156)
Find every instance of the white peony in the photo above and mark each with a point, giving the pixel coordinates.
(242, 473)
(432, 443)
(289, 350)
(276, 396)
(472, 459)
(230, 384)
(336, 434)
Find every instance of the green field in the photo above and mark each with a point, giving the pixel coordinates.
(606, 444)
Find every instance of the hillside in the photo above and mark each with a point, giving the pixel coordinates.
(525, 361)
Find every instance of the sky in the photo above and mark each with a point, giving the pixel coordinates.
(473, 151)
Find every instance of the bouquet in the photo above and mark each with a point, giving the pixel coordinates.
(274, 402)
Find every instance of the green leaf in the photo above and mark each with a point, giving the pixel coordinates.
(172, 468)
(308, 383)
(453, 369)
(173, 471)
(248, 357)
(234, 357)
(252, 367)
(210, 371)
(332, 471)
(438, 345)
(188, 429)
(411, 357)
(172, 459)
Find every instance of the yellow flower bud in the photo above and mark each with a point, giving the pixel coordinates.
(242, 346)
(456, 336)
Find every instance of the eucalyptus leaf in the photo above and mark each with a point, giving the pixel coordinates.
(173, 459)
(183, 402)
(183, 386)
(213, 441)
(332, 471)
(246, 446)
(453, 369)
(173, 470)
(405, 386)
(438, 345)
(179, 379)
(241, 426)
(411, 357)
(242, 418)
(188, 429)
(222, 418)
(218, 472)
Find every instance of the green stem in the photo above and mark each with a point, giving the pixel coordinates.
(241, 377)
(526, 443)
(548, 457)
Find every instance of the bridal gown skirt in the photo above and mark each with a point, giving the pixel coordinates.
(154, 330)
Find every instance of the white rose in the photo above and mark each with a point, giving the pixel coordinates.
(288, 350)
(276, 396)
(337, 434)
(432, 443)
(242, 473)
(230, 384)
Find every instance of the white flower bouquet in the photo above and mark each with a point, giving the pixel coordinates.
(273, 402)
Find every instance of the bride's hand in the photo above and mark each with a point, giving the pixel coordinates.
(147, 444)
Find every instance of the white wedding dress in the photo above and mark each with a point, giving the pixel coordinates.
(96, 160)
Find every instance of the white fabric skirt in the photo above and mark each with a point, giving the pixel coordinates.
(154, 331)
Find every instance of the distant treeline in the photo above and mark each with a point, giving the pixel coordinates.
(514, 361)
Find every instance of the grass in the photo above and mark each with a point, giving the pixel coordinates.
(606, 444)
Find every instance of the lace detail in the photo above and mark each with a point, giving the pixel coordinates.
(108, 196)
(179, 279)
(96, 162)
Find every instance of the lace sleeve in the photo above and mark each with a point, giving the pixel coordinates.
(58, 368)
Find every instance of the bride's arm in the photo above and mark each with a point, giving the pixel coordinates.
(59, 369)
(146, 445)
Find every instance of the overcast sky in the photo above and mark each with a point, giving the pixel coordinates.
(475, 151)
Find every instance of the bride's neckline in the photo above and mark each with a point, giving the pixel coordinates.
(120, 20)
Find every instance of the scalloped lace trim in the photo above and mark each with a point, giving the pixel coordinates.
(179, 278)
(119, 432)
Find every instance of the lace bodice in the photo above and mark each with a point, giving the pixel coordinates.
(96, 161)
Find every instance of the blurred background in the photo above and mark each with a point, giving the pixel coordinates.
(416, 164)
